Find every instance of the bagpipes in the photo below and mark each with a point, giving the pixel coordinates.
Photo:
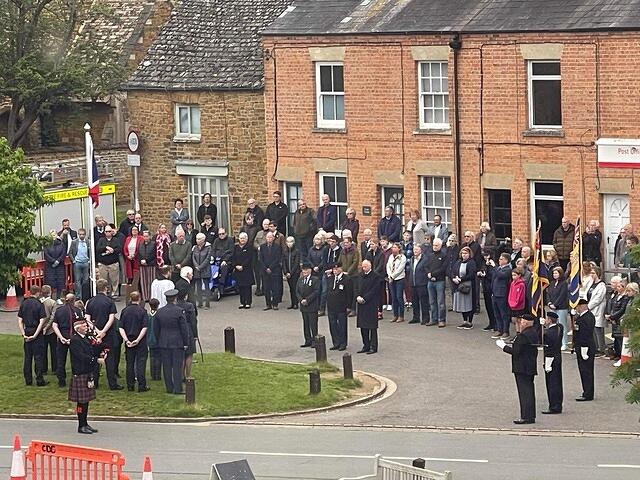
(95, 340)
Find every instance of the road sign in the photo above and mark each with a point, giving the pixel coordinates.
(133, 160)
(238, 470)
(133, 141)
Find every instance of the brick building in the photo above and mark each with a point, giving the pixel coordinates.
(197, 100)
(361, 104)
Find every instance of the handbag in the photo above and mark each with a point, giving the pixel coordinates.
(464, 288)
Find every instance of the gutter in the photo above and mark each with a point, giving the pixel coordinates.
(456, 45)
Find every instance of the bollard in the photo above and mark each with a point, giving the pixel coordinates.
(419, 463)
(230, 340)
(314, 382)
(190, 391)
(347, 366)
(321, 349)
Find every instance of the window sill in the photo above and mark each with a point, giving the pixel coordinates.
(328, 130)
(432, 131)
(187, 139)
(541, 132)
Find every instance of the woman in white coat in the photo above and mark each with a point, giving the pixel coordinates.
(395, 274)
(597, 298)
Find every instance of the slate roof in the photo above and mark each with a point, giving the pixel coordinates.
(209, 45)
(325, 17)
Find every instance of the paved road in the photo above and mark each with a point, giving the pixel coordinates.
(445, 377)
(295, 453)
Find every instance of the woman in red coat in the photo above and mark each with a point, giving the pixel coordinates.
(130, 254)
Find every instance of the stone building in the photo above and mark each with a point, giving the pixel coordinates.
(503, 110)
(197, 100)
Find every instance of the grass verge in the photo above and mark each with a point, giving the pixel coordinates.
(225, 385)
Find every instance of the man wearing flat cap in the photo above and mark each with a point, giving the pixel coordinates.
(172, 336)
(524, 354)
(553, 332)
(308, 291)
(585, 346)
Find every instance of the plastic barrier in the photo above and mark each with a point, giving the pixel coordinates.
(58, 461)
(35, 275)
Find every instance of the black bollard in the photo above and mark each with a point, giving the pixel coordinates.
(190, 391)
(347, 366)
(314, 382)
(321, 349)
(229, 340)
(419, 463)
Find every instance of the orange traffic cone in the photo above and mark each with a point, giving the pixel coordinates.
(625, 356)
(17, 462)
(11, 302)
(147, 474)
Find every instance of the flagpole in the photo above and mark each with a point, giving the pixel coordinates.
(92, 251)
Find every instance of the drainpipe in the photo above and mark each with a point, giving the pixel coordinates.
(456, 44)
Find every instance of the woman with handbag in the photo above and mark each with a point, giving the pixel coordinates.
(462, 276)
(517, 297)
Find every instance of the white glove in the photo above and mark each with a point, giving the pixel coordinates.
(500, 343)
(584, 351)
(542, 321)
(548, 362)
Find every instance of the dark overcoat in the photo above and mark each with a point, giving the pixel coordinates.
(243, 256)
(369, 286)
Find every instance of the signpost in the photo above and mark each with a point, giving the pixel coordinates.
(133, 160)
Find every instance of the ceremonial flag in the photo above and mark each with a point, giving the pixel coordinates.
(540, 276)
(93, 181)
(575, 267)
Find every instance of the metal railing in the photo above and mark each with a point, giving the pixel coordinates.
(388, 470)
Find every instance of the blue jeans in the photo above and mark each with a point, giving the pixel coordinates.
(397, 297)
(437, 302)
(80, 275)
(562, 320)
(501, 314)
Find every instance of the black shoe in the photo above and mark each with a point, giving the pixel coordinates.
(62, 384)
(414, 321)
(352, 314)
(130, 389)
(305, 345)
(42, 384)
(583, 399)
(363, 350)
(179, 393)
(117, 387)
(241, 307)
(266, 308)
(247, 307)
(488, 329)
(86, 430)
(371, 352)
(93, 430)
(342, 348)
(143, 389)
(259, 293)
(28, 384)
(522, 421)
(291, 307)
(295, 307)
(275, 307)
(321, 313)
(333, 348)
(551, 412)
(431, 324)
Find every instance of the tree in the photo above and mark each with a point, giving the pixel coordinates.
(20, 197)
(629, 373)
(46, 61)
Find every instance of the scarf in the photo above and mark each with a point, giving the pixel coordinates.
(160, 241)
(348, 248)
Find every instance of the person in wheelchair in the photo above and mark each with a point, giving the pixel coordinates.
(221, 253)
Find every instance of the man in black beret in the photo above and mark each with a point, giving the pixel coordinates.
(585, 346)
(308, 291)
(524, 354)
(339, 300)
(553, 361)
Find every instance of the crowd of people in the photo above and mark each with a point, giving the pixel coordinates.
(331, 269)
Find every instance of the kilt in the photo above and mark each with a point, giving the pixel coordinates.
(78, 390)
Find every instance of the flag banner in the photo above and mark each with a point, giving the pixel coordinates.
(539, 277)
(93, 180)
(575, 267)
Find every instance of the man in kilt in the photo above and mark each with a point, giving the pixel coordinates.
(85, 355)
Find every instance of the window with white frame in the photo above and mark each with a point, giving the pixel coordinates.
(545, 94)
(335, 185)
(436, 199)
(547, 208)
(433, 84)
(330, 95)
(188, 122)
(218, 187)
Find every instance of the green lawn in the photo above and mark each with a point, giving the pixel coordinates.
(225, 385)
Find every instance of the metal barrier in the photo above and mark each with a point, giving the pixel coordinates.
(388, 470)
(53, 461)
(35, 275)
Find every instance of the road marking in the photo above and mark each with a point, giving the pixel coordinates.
(330, 455)
(618, 466)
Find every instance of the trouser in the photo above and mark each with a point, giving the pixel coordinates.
(420, 304)
(50, 341)
(172, 363)
(408, 291)
(201, 291)
(61, 365)
(369, 339)
(526, 395)
(110, 365)
(617, 346)
(468, 316)
(488, 306)
(437, 301)
(33, 360)
(356, 288)
(562, 320)
(324, 290)
(272, 288)
(82, 410)
(80, 275)
(475, 286)
(309, 326)
(304, 243)
(586, 374)
(122, 275)
(110, 273)
(292, 282)
(564, 263)
(257, 269)
(501, 314)
(246, 297)
(553, 380)
(136, 358)
(601, 344)
(155, 363)
(116, 350)
(222, 276)
(338, 328)
(397, 297)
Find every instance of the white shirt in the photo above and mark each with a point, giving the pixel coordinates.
(159, 287)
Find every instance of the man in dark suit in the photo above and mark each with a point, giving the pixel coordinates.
(553, 362)
(277, 212)
(133, 330)
(170, 328)
(499, 293)
(63, 319)
(327, 215)
(417, 278)
(368, 299)
(339, 300)
(271, 263)
(67, 234)
(436, 267)
(308, 292)
(585, 347)
(524, 354)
